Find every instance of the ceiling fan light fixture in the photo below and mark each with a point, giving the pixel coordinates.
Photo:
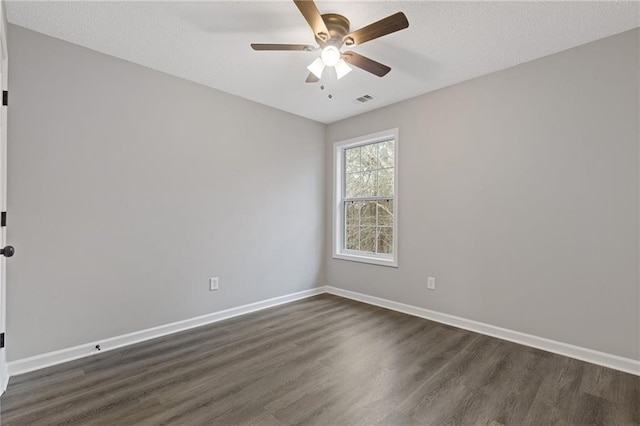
(342, 68)
(316, 67)
(332, 32)
(330, 56)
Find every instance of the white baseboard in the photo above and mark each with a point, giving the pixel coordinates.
(37, 362)
(69, 354)
(627, 365)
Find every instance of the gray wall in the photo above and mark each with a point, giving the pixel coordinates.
(129, 188)
(519, 193)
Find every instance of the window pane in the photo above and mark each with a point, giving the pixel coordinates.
(385, 182)
(368, 188)
(368, 238)
(369, 157)
(385, 154)
(368, 182)
(368, 213)
(385, 213)
(352, 238)
(353, 185)
(352, 212)
(385, 239)
(352, 160)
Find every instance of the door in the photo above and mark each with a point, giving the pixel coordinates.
(4, 374)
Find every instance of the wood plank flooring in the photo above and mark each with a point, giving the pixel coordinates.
(323, 361)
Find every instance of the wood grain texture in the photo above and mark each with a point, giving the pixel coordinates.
(327, 361)
(273, 46)
(312, 15)
(390, 24)
(366, 64)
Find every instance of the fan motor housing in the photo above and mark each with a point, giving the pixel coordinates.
(338, 27)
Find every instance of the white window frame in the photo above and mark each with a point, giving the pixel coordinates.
(339, 252)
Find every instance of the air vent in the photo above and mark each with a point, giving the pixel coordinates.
(365, 98)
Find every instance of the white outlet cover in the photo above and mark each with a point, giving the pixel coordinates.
(213, 283)
(431, 283)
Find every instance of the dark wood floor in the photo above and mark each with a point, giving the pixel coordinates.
(328, 361)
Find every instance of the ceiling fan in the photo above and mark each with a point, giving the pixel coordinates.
(332, 32)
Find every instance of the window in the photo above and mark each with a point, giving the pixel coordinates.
(366, 199)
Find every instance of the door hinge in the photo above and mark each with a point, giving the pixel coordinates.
(5, 97)
(3, 219)
(1, 340)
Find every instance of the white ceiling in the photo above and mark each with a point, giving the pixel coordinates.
(208, 42)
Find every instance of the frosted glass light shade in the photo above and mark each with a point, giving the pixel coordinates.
(330, 56)
(316, 67)
(342, 68)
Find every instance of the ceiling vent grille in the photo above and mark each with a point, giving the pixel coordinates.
(365, 98)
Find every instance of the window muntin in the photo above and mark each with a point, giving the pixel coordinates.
(365, 223)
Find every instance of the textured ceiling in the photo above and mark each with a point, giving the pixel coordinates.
(208, 42)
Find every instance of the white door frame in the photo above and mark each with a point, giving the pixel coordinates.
(4, 56)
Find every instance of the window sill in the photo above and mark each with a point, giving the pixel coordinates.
(367, 259)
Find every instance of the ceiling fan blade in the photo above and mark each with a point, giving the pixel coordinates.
(366, 64)
(312, 15)
(311, 78)
(266, 46)
(388, 25)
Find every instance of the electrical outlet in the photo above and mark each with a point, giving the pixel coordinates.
(214, 283)
(431, 283)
